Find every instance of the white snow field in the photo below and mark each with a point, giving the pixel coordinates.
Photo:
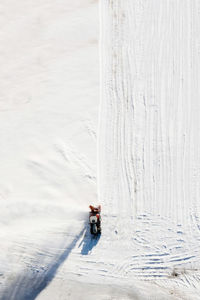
(49, 96)
(146, 169)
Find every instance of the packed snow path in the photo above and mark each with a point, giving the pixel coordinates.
(149, 131)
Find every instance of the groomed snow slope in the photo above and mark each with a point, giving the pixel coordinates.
(149, 145)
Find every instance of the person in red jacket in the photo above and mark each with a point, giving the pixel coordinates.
(95, 211)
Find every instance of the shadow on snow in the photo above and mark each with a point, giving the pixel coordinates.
(88, 242)
(29, 285)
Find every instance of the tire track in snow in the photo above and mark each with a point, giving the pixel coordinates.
(147, 102)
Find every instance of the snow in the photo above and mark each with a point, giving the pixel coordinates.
(149, 141)
(137, 154)
(48, 119)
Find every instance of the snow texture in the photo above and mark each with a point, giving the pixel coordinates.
(146, 173)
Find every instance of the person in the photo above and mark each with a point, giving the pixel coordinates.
(94, 209)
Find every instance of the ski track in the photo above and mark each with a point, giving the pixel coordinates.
(148, 145)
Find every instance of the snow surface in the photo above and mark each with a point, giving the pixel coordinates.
(148, 159)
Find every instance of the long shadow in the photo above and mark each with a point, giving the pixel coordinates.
(88, 242)
(29, 285)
